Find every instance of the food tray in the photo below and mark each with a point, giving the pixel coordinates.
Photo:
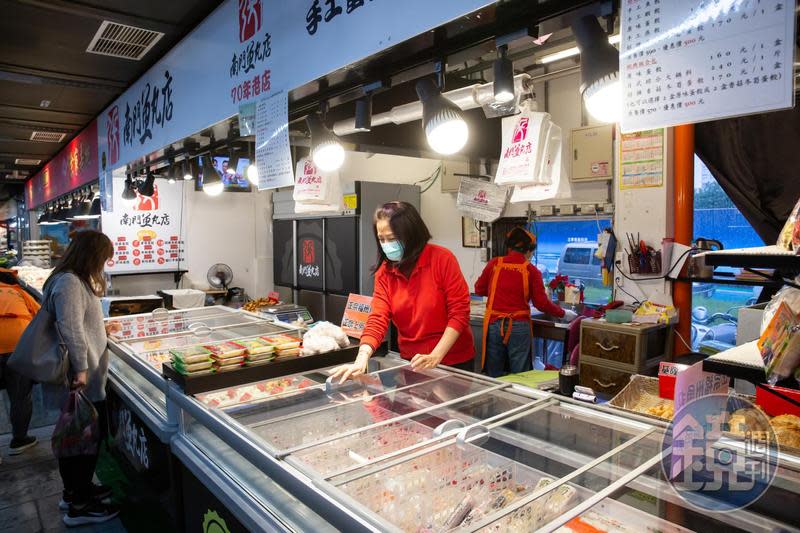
(225, 350)
(639, 395)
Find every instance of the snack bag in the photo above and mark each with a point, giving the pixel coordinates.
(789, 237)
(780, 345)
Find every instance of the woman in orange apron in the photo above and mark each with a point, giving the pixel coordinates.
(511, 282)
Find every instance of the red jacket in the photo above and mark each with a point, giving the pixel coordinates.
(422, 307)
(509, 296)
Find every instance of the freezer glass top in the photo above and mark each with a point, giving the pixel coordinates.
(532, 468)
(144, 326)
(327, 412)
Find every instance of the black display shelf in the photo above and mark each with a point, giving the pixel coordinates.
(249, 374)
(734, 258)
(732, 370)
(723, 278)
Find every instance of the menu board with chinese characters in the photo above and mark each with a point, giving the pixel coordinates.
(147, 233)
(641, 161)
(273, 157)
(686, 61)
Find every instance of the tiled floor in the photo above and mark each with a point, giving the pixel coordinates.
(30, 489)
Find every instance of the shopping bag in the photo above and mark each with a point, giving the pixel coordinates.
(554, 183)
(77, 431)
(312, 185)
(481, 200)
(523, 150)
(41, 353)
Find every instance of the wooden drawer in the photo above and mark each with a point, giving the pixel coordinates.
(610, 345)
(603, 380)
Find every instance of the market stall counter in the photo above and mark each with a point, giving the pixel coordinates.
(142, 419)
(442, 450)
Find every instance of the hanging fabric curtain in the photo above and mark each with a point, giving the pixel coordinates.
(756, 160)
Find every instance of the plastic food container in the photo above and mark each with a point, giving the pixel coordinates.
(256, 346)
(282, 342)
(225, 350)
(190, 355)
(194, 368)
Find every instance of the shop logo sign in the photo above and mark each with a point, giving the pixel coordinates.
(249, 19)
(708, 469)
(520, 130)
(481, 198)
(309, 254)
(308, 168)
(112, 134)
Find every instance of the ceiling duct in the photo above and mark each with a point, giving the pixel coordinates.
(120, 40)
(27, 162)
(47, 136)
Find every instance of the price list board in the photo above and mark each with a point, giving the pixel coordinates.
(686, 61)
(273, 155)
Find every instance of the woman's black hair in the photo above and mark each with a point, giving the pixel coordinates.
(408, 228)
(520, 240)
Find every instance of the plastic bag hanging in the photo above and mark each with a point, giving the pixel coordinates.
(481, 200)
(523, 150)
(558, 186)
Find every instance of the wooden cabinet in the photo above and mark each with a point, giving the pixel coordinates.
(611, 353)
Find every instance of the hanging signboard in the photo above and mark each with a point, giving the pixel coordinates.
(687, 61)
(75, 165)
(481, 200)
(246, 50)
(641, 159)
(147, 233)
(273, 156)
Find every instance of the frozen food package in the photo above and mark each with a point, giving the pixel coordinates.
(292, 352)
(788, 295)
(789, 237)
(190, 354)
(193, 368)
(256, 346)
(225, 349)
(282, 342)
(228, 364)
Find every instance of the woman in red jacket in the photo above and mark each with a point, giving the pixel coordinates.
(511, 282)
(420, 288)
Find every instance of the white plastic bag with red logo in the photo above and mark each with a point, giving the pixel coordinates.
(481, 200)
(316, 191)
(524, 151)
(313, 186)
(552, 172)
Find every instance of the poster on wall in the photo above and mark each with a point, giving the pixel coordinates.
(148, 232)
(687, 61)
(641, 157)
(273, 155)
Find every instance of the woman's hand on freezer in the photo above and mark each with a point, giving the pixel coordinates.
(424, 361)
(355, 369)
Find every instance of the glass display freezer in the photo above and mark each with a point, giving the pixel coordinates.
(444, 450)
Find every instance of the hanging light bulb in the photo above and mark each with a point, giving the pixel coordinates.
(326, 150)
(212, 181)
(252, 169)
(188, 169)
(600, 85)
(363, 118)
(442, 120)
(503, 76)
(233, 162)
(128, 194)
(147, 187)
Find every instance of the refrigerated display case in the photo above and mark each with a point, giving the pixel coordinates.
(444, 450)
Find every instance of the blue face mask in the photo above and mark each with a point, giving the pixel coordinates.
(393, 250)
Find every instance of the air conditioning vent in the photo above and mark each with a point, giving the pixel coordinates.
(27, 162)
(120, 40)
(47, 136)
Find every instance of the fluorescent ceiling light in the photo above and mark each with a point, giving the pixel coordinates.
(569, 52)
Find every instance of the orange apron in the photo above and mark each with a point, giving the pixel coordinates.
(506, 319)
